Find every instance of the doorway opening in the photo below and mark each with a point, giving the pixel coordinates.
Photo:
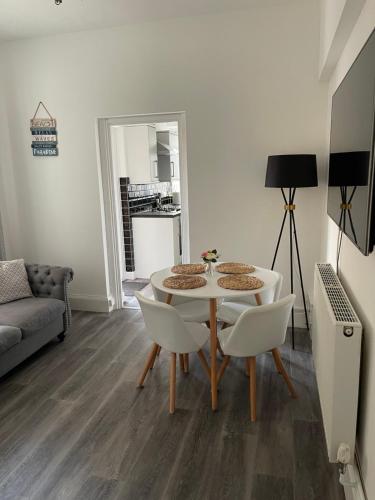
(145, 209)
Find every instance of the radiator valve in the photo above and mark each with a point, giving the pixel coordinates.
(348, 331)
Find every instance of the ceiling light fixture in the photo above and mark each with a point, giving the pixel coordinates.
(58, 2)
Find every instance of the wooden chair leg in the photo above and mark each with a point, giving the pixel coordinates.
(186, 363)
(253, 387)
(149, 365)
(220, 348)
(168, 300)
(203, 360)
(258, 299)
(154, 358)
(172, 383)
(223, 366)
(279, 363)
(182, 364)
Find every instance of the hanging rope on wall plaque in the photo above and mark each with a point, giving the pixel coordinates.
(44, 134)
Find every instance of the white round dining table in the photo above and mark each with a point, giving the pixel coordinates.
(211, 292)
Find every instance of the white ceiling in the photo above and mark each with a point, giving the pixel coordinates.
(34, 18)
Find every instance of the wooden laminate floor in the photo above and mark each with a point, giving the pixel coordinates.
(73, 425)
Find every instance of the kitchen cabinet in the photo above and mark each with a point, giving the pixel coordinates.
(156, 243)
(168, 156)
(153, 154)
(175, 157)
(141, 154)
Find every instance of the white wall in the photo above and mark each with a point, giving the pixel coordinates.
(119, 151)
(331, 13)
(338, 18)
(248, 83)
(357, 273)
(8, 200)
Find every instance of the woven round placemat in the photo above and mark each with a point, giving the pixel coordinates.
(189, 269)
(183, 282)
(240, 282)
(234, 268)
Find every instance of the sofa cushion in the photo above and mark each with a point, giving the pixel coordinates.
(9, 337)
(31, 314)
(14, 283)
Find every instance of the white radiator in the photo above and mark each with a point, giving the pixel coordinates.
(336, 346)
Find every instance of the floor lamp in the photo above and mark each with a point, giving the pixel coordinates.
(291, 172)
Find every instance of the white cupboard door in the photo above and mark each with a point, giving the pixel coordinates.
(153, 154)
(141, 153)
(177, 240)
(175, 163)
(175, 167)
(173, 141)
(155, 245)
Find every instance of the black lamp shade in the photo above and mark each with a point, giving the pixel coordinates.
(291, 171)
(349, 169)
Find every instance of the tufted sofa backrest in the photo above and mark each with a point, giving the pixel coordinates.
(51, 282)
(48, 281)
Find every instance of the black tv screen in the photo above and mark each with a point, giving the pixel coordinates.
(350, 191)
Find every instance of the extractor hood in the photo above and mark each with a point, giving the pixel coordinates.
(166, 149)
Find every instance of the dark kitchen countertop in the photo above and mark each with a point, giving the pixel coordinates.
(157, 215)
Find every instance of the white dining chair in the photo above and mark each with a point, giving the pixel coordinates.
(167, 329)
(231, 309)
(195, 310)
(258, 330)
(192, 310)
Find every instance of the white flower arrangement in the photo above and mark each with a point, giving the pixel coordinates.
(210, 256)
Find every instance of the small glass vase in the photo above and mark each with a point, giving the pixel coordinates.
(209, 269)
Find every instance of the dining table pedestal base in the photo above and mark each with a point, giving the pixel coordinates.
(213, 344)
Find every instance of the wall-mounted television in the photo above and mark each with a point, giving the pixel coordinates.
(351, 164)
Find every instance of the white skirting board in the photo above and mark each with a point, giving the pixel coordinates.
(299, 318)
(94, 303)
(352, 483)
(299, 314)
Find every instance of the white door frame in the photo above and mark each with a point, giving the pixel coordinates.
(110, 194)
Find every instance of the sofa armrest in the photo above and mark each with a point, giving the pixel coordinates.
(51, 282)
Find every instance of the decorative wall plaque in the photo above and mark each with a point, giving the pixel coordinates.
(44, 134)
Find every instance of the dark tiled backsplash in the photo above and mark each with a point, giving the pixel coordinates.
(144, 203)
(134, 198)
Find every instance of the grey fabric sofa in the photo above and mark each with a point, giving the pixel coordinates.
(28, 324)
